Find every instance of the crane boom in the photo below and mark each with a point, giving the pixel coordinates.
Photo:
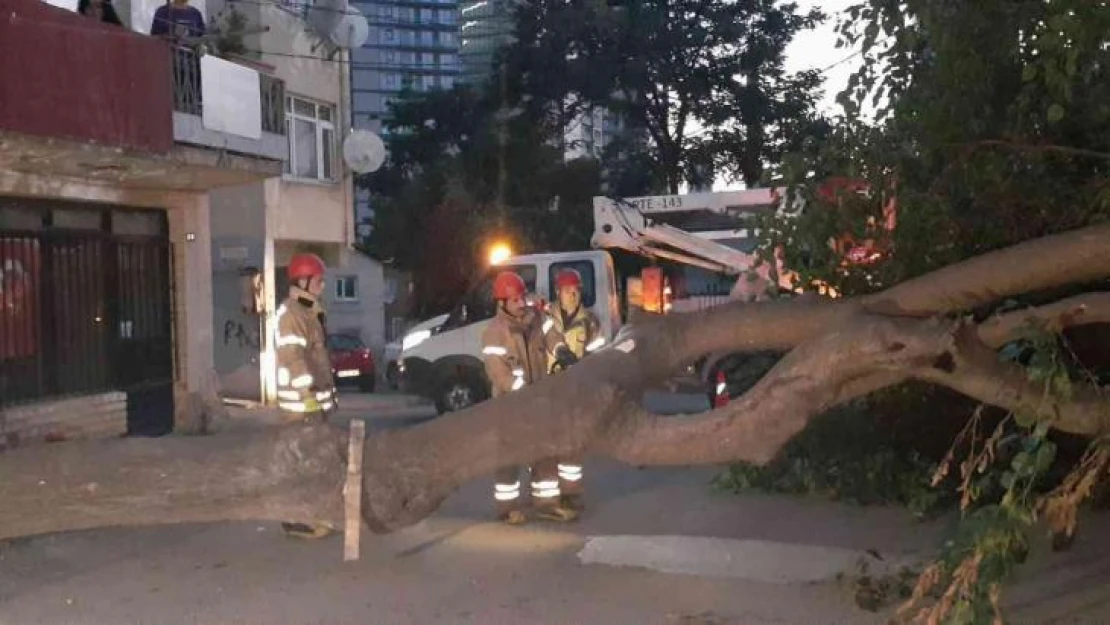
(625, 224)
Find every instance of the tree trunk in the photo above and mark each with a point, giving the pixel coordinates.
(839, 350)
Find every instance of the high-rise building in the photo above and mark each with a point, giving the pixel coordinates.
(412, 43)
(485, 26)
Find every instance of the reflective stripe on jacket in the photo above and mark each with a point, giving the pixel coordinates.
(304, 379)
(515, 350)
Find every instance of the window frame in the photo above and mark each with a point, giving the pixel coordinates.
(352, 280)
(586, 269)
(321, 128)
(480, 295)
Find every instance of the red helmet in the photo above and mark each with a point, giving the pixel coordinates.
(568, 278)
(305, 266)
(508, 285)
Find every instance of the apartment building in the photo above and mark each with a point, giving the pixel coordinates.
(106, 170)
(258, 227)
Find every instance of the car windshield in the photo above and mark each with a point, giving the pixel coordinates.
(344, 342)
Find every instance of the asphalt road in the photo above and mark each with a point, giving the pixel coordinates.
(655, 546)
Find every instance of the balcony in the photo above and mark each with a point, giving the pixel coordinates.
(228, 105)
(100, 103)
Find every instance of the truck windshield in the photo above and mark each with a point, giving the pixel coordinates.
(477, 304)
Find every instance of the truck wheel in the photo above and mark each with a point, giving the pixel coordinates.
(459, 391)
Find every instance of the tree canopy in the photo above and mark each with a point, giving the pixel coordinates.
(497, 149)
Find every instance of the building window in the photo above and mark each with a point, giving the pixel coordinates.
(310, 130)
(389, 34)
(346, 289)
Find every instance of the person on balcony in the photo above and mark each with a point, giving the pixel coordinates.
(177, 20)
(183, 25)
(100, 10)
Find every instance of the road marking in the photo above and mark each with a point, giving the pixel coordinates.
(753, 560)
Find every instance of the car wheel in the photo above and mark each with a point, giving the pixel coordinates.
(459, 391)
(366, 383)
(391, 375)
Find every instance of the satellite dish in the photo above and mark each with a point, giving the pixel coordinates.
(363, 151)
(324, 15)
(352, 30)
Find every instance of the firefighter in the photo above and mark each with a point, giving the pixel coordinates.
(515, 347)
(580, 330)
(305, 388)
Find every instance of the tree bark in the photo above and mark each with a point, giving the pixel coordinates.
(285, 473)
(839, 350)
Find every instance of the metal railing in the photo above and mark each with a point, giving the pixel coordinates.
(187, 96)
(273, 104)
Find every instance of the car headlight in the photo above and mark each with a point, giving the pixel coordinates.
(412, 340)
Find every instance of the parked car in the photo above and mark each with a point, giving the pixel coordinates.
(351, 361)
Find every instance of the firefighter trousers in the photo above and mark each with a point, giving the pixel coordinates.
(570, 475)
(544, 482)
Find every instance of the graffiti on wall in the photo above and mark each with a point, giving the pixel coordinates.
(235, 332)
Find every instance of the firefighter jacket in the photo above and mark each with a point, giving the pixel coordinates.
(579, 331)
(515, 350)
(304, 379)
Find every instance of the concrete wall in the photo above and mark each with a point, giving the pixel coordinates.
(366, 316)
(190, 236)
(307, 211)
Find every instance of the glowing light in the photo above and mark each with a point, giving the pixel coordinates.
(499, 252)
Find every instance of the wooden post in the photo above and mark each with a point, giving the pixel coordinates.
(352, 492)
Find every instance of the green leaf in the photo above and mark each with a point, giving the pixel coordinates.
(1045, 456)
(1007, 480)
(1055, 113)
(1024, 419)
(1022, 463)
(1042, 429)
(1029, 72)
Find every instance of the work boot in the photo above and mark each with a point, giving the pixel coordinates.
(303, 530)
(513, 517)
(573, 501)
(556, 512)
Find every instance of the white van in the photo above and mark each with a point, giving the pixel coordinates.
(445, 364)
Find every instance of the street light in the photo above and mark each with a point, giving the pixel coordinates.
(499, 252)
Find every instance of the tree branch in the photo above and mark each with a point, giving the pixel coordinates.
(978, 373)
(841, 349)
(1074, 257)
(809, 380)
(1074, 311)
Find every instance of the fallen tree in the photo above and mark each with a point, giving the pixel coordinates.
(838, 350)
